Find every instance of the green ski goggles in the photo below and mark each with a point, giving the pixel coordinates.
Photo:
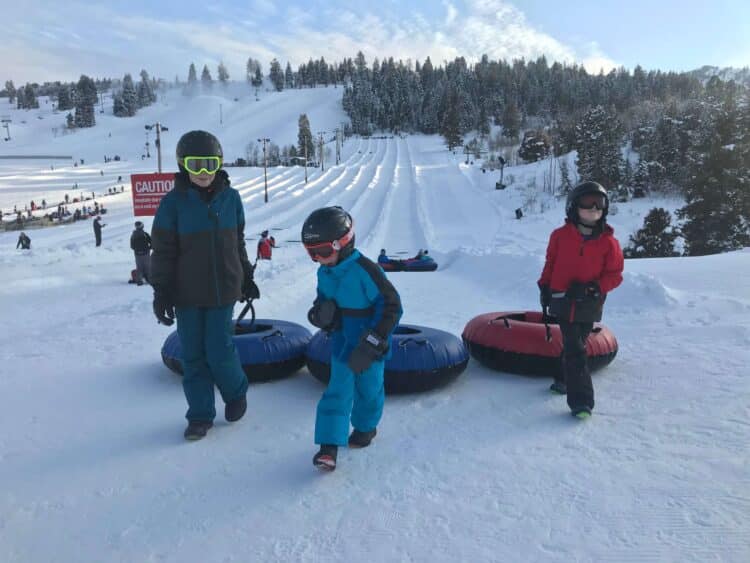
(198, 164)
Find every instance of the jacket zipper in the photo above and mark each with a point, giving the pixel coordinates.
(215, 218)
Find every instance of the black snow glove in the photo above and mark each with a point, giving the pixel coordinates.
(249, 287)
(545, 296)
(164, 308)
(578, 291)
(325, 315)
(371, 347)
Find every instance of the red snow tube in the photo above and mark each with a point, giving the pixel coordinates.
(516, 342)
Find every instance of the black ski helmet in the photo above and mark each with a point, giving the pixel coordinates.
(198, 143)
(582, 189)
(328, 224)
(139, 224)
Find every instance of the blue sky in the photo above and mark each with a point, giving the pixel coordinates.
(46, 40)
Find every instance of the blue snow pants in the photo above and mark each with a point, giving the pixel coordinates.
(208, 358)
(359, 397)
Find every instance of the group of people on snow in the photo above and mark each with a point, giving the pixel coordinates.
(354, 300)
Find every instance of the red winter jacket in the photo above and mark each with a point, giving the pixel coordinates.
(570, 259)
(264, 249)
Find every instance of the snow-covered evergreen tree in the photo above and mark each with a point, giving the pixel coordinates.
(276, 75)
(451, 127)
(145, 92)
(86, 98)
(305, 144)
(191, 87)
(716, 213)
(11, 90)
(223, 74)
(598, 141)
(65, 98)
(257, 80)
(206, 81)
(535, 146)
(128, 102)
(511, 121)
(655, 239)
(288, 76)
(251, 67)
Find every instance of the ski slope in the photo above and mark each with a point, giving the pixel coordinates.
(491, 468)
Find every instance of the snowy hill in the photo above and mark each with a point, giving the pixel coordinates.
(491, 468)
(739, 75)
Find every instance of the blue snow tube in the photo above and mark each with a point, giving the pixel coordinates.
(269, 349)
(422, 358)
(424, 265)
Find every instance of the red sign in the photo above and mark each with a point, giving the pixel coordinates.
(148, 189)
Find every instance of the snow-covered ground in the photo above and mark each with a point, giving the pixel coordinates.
(93, 465)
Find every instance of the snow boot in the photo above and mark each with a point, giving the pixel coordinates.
(197, 429)
(361, 439)
(235, 410)
(558, 388)
(581, 413)
(325, 459)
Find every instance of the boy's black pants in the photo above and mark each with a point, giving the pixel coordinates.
(576, 373)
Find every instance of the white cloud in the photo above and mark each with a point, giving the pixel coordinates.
(167, 46)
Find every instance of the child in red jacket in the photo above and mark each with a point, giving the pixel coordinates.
(584, 262)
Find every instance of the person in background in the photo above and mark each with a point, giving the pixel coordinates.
(140, 243)
(24, 242)
(98, 230)
(265, 246)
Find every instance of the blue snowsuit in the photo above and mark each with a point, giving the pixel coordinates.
(200, 260)
(367, 301)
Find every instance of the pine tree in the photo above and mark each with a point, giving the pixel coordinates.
(288, 76)
(655, 239)
(129, 96)
(11, 90)
(450, 128)
(64, 98)
(511, 121)
(145, 93)
(535, 146)
(86, 98)
(276, 75)
(20, 98)
(223, 74)
(250, 69)
(192, 81)
(257, 80)
(598, 138)
(305, 144)
(206, 81)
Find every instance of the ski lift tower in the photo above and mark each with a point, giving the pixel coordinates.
(5, 120)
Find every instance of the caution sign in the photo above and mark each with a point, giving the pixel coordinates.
(148, 189)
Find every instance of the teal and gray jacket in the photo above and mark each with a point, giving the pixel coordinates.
(199, 257)
(366, 299)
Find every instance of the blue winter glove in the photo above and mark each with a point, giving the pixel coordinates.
(371, 348)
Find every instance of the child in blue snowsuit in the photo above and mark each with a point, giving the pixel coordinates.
(199, 269)
(360, 309)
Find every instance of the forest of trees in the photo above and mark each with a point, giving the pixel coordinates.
(634, 132)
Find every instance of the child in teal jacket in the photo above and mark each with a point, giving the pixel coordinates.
(360, 309)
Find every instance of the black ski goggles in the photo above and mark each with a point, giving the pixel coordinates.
(199, 164)
(591, 201)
